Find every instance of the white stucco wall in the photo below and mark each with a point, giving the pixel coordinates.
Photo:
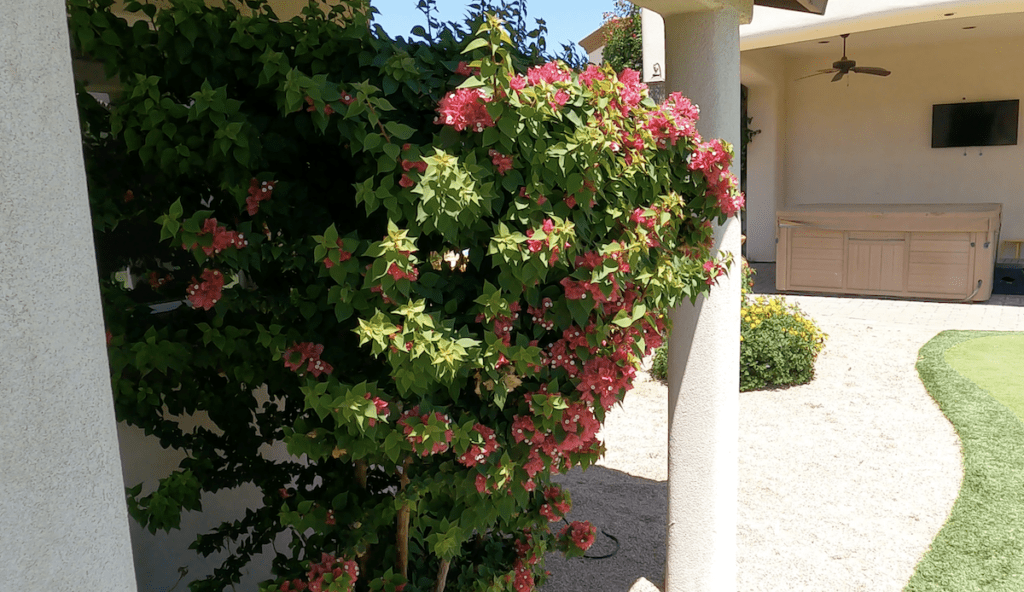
(869, 140)
(63, 520)
(158, 557)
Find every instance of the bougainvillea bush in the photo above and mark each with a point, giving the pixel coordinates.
(441, 260)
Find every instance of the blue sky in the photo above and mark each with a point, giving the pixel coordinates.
(568, 21)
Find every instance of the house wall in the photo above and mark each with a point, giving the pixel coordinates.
(159, 557)
(763, 73)
(868, 139)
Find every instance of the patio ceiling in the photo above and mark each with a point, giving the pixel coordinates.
(947, 30)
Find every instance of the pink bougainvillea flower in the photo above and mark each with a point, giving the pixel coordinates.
(580, 534)
(306, 354)
(550, 73)
(463, 69)
(206, 294)
(222, 238)
(258, 192)
(502, 162)
(418, 166)
(381, 407)
(592, 73)
(464, 108)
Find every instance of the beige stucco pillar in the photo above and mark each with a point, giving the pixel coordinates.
(703, 62)
(63, 522)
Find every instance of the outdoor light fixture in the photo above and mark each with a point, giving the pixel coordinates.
(812, 6)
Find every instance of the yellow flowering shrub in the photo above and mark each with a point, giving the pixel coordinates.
(778, 343)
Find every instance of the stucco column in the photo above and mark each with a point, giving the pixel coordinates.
(63, 521)
(703, 62)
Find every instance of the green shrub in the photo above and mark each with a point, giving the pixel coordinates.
(778, 344)
(659, 363)
(747, 285)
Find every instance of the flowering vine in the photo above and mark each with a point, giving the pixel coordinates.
(446, 275)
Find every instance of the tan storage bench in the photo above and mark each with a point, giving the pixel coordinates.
(933, 251)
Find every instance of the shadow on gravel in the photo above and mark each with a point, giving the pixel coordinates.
(632, 510)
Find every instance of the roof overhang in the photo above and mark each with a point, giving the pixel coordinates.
(812, 6)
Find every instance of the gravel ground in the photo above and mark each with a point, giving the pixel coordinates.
(844, 482)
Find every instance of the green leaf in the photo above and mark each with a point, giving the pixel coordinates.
(399, 130)
(392, 151)
(475, 44)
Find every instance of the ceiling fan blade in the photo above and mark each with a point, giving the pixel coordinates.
(839, 75)
(819, 73)
(871, 70)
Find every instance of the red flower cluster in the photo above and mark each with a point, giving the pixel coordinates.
(538, 245)
(649, 220)
(396, 272)
(338, 568)
(157, 281)
(550, 73)
(523, 194)
(312, 107)
(592, 73)
(414, 427)
(632, 89)
(222, 238)
(557, 505)
(526, 557)
(382, 408)
(675, 119)
(580, 534)
(343, 255)
(580, 427)
(477, 453)
(712, 271)
(463, 69)
(408, 165)
(206, 294)
(713, 160)
(503, 323)
(499, 160)
(538, 314)
(307, 354)
(258, 192)
(464, 108)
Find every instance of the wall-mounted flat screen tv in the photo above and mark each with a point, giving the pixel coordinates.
(989, 123)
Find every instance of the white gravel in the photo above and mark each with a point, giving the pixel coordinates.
(844, 482)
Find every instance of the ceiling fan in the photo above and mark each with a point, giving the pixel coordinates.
(845, 66)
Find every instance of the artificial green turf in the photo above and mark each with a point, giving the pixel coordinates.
(981, 546)
(996, 364)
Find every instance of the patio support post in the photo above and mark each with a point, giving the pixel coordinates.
(63, 519)
(703, 62)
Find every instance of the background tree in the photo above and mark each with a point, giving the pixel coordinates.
(623, 47)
